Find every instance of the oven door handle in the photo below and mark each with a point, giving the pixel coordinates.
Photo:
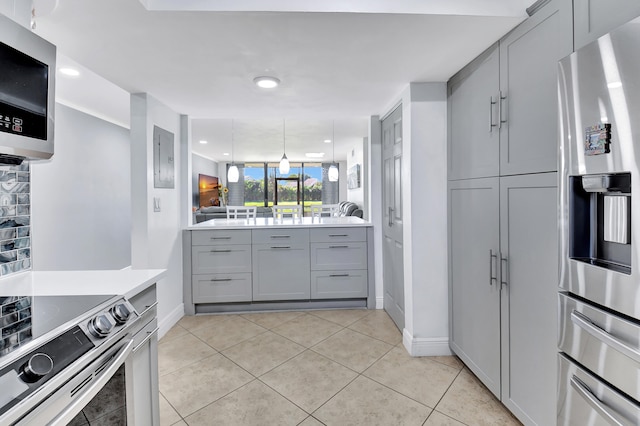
(81, 400)
(606, 412)
(585, 323)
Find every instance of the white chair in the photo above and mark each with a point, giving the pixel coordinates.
(282, 211)
(241, 212)
(324, 210)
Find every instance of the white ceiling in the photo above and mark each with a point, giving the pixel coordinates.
(341, 67)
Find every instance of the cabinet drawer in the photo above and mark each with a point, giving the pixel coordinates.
(220, 237)
(337, 235)
(338, 284)
(217, 259)
(144, 300)
(216, 288)
(280, 236)
(331, 256)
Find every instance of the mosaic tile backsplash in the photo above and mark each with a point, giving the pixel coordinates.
(15, 218)
(15, 322)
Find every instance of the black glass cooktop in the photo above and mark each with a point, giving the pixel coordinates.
(26, 318)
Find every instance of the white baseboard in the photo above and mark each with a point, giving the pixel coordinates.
(379, 302)
(170, 320)
(425, 346)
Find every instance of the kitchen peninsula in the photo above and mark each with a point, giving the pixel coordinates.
(267, 264)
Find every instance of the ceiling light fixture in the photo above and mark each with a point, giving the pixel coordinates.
(284, 166)
(203, 142)
(266, 82)
(314, 154)
(71, 72)
(232, 174)
(333, 170)
(226, 154)
(327, 141)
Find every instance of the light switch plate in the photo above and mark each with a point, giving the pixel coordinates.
(156, 204)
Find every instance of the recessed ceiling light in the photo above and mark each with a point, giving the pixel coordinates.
(225, 153)
(266, 82)
(203, 142)
(314, 154)
(327, 141)
(71, 72)
(614, 85)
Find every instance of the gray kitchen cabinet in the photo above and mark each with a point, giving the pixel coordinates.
(595, 18)
(473, 130)
(221, 266)
(338, 263)
(141, 370)
(502, 105)
(474, 288)
(528, 90)
(529, 278)
(281, 271)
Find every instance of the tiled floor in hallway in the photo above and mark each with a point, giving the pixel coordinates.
(339, 367)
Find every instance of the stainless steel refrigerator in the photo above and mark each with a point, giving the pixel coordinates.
(599, 298)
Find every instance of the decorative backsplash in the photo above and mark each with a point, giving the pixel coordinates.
(15, 322)
(15, 218)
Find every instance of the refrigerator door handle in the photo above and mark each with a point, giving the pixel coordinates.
(606, 412)
(585, 323)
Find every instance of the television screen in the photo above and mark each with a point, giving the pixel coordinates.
(208, 190)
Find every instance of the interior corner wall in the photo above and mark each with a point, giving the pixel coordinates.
(156, 237)
(355, 155)
(425, 231)
(374, 179)
(81, 197)
(205, 166)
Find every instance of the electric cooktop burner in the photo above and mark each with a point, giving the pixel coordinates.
(26, 318)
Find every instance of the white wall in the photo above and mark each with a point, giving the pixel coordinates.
(81, 197)
(18, 10)
(156, 237)
(205, 166)
(424, 195)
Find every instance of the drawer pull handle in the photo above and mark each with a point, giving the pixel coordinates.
(147, 308)
(281, 236)
(221, 279)
(220, 238)
(585, 323)
(606, 412)
(220, 251)
(338, 275)
(338, 235)
(280, 247)
(338, 246)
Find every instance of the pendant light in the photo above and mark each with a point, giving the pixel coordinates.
(284, 162)
(333, 170)
(232, 174)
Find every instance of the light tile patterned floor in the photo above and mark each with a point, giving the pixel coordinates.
(334, 367)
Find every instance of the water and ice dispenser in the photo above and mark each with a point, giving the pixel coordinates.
(600, 220)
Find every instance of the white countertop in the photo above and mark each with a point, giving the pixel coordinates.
(269, 222)
(125, 282)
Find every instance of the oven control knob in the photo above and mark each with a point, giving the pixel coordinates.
(100, 326)
(38, 366)
(120, 313)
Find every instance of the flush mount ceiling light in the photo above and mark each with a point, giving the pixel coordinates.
(333, 170)
(233, 173)
(203, 142)
(266, 82)
(327, 141)
(71, 72)
(284, 167)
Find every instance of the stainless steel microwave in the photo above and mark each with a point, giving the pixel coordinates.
(27, 93)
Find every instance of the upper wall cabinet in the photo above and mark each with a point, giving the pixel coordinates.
(595, 18)
(502, 118)
(528, 90)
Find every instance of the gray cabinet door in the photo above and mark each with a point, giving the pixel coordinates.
(474, 286)
(474, 139)
(529, 269)
(528, 75)
(595, 18)
(392, 224)
(281, 272)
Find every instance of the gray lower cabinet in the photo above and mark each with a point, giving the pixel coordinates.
(595, 18)
(141, 369)
(217, 288)
(281, 271)
(503, 284)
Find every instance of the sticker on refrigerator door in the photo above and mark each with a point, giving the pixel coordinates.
(597, 139)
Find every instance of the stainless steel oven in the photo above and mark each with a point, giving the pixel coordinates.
(599, 299)
(75, 360)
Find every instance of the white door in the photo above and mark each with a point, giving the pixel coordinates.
(392, 217)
